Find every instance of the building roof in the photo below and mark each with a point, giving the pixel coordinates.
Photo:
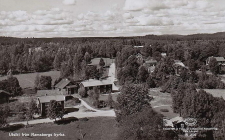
(163, 54)
(151, 61)
(48, 93)
(92, 83)
(47, 99)
(63, 83)
(95, 61)
(178, 62)
(216, 92)
(219, 59)
(4, 92)
(138, 46)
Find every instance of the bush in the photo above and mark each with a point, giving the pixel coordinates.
(11, 128)
(164, 110)
(82, 92)
(66, 120)
(102, 104)
(84, 119)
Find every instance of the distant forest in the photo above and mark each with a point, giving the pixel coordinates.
(23, 55)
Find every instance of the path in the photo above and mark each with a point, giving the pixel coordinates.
(79, 114)
(111, 74)
(160, 106)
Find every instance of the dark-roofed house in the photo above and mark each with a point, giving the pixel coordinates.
(43, 102)
(67, 86)
(220, 61)
(4, 96)
(104, 86)
(95, 62)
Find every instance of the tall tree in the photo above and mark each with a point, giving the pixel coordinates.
(37, 81)
(213, 66)
(57, 62)
(142, 74)
(101, 62)
(87, 57)
(45, 82)
(4, 113)
(55, 110)
(31, 110)
(133, 99)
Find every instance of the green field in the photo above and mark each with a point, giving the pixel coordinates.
(160, 98)
(162, 101)
(101, 128)
(27, 80)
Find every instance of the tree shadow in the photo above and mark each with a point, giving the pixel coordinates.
(66, 120)
(69, 110)
(12, 127)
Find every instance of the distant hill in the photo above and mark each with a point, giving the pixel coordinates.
(219, 35)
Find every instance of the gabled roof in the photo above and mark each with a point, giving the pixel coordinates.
(138, 46)
(92, 83)
(219, 59)
(151, 61)
(178, 62)
(47, 99)
(216, 92)
(48, 93)
(63, 83)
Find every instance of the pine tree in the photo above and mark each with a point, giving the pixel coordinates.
(101, 62)
(57, 62)
(110, 100)
(87, 57)
(37, 81)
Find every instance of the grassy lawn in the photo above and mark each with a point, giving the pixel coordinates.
(160, 98)
(27, 80)
(102, 97)
(162, 101)
(101, 128)
(169, 114)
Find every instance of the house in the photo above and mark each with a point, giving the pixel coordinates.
(178, 67)
(67, 86)
(150, 64)
(4, 96)
(163, 55)
(95, 62)
(220, 61)
(103, 85)
(43, 102)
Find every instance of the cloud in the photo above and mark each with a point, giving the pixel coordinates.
(69, 2)
(135, 17)
(137, 5)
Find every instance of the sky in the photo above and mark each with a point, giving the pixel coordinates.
(101, 18)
